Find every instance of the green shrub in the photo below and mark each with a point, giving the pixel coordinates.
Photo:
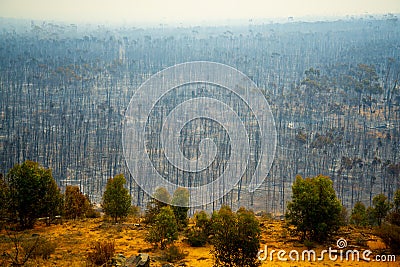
(92, 213)
(197, 238)
(381, 207)
(315, 211)
(236, 238)
(180, 202)
(198, 234)
(358, 214)
(164, 230)
(33, 193)
(161, 199)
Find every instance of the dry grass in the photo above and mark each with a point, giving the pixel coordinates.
(74, 240)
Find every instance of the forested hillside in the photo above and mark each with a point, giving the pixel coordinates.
(332, 86)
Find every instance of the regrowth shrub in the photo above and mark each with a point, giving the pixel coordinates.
(198, 235)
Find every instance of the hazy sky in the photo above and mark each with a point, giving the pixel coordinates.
(166, 11)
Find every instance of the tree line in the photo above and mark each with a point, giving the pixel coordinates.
(29, 192)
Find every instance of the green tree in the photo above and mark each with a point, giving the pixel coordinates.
(315, 210)
(198, 234)
(4, 200)
(164, 230)
(52, 201)
(76, 204)
(116, 199)
(161, 198)
(236, 238)
(381, 207)
(358, 214)
(33, 193)
(180, 206)
(371, 216)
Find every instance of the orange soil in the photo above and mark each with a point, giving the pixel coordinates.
(74, 238)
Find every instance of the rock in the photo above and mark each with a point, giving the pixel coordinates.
(118, 261)
(130, 262)
(142, 260)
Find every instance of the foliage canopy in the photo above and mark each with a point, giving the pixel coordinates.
(315, 211)
(236, 238)
(33, 193)
(116, 199)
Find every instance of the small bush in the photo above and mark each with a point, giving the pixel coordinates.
(180, 201)
(197, 238)
(41, 247)
(173, 254)
(236, 238)
(92, 213)
(161, 199)
(198, 234)
(102, 252)
(390, 234)
(164, 230)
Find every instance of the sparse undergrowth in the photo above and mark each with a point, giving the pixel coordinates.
(73, 240)
(102, 252)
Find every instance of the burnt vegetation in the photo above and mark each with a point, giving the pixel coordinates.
(333, 88)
